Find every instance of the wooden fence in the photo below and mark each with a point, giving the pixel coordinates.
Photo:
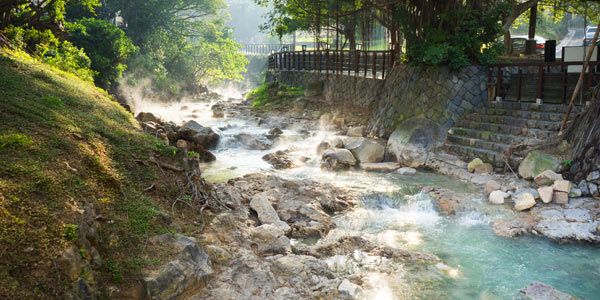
(550, 78)
(372, 64)
(264, 48)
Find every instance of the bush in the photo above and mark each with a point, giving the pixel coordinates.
(107, 46)
(44, 46)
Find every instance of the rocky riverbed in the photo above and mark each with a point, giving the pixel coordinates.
(317, 210)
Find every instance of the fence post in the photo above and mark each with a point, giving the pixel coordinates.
(540, 84)
(499, 84)
(374, 64)
(356, 60)
(520, 75)
(383, 65)
(327, 63)
(341, 62)
(564, 82)
(365, 60)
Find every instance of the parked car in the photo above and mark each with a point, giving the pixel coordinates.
(519, 44)
(589, 35)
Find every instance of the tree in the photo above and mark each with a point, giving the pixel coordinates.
(106, 45)
(40, 14)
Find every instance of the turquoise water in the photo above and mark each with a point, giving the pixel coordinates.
(482, 265)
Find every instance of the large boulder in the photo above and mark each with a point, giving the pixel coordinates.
(279, 159)
(203, 136)
(366, 151)
(412, 140)
(474, 163)
(255, 142)
(335, 159)
(540, 291)
(537, 162)
(184, 275)
(524, 201)
(380, 167)
(356, 131)
(547, 177)
(144, 117)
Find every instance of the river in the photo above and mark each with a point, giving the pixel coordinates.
(396, 210)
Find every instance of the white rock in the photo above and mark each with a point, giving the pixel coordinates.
(406, 171)
(366, 150)
(262, 206)
(593, 189)
(349, 290)
(524, 201)
(356, 131)
(593, 176)
(560, 197)
(337, 142)
(546, 193)
(380, 167)
(562, 186)
(547, 177)
(491, 186)
(497, 197)
(335, 158)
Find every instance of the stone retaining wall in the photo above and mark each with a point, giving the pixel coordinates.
(435, 93)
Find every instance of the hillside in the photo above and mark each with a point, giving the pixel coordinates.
(77, 177)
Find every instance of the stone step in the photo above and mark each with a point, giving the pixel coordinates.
(555, 108)
(527, 114)
(468, 153)
(506, 129)
(483, 135)
(478, 143)
(507, 120)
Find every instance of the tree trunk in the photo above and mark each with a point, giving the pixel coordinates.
(530, 46)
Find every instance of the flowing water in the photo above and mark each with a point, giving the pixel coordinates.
(395, 211)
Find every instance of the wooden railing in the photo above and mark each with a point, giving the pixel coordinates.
(264, 48)
(541, 72)
(373, 64)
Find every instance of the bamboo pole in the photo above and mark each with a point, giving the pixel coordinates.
(578, 86)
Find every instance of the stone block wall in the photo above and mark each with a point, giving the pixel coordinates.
(435, 93)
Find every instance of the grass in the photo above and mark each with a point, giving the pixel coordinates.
(273, 95)
(65, 143)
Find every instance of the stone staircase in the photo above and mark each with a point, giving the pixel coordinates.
(489, 133)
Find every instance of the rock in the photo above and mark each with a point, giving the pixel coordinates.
(575, 192)
(279, 159)
(262, 206)
(406, 171)
(560, 197)
(335, 159)
(540, 291)
(314, 88)
(593, 176)
(536, 162)
(583, 186)
(349, 290)
(577, 215)
(547, 177)
(475, 162)
(188, 273)
(270, 239)
(69, 262)
(366, 151)
(202, 154)
(524, 201)
(274, 133)
(491, 186)
(217, 254)
(255, 142)
(203, 136)
(380, 167)
(144, 117)
(593, 189)
(356, 131)
(546, 193)
(218, 111)
(485, 168)
(533, 192)
(337, 142)
(511, 228)
(446, 200)
(562, 186)
(288, 265)
(322, 147)
(413, 139)
(497, 197)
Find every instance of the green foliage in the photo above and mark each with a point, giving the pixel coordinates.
(14, 140)
(70, 232)
(567, 162)
(52, 101)
(49, 49)
(270, 95)
(468, 36)
(106, 45)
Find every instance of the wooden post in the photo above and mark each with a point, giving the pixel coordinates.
(327, 62)
(564, 81)
(374, 64)
(578, 86)
(499, 84)
(383, 65)
(303, 60)
(519, 77)
(540, 84)
(366, 59)
(356, 61)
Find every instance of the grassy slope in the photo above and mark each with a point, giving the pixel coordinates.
(49, 119)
